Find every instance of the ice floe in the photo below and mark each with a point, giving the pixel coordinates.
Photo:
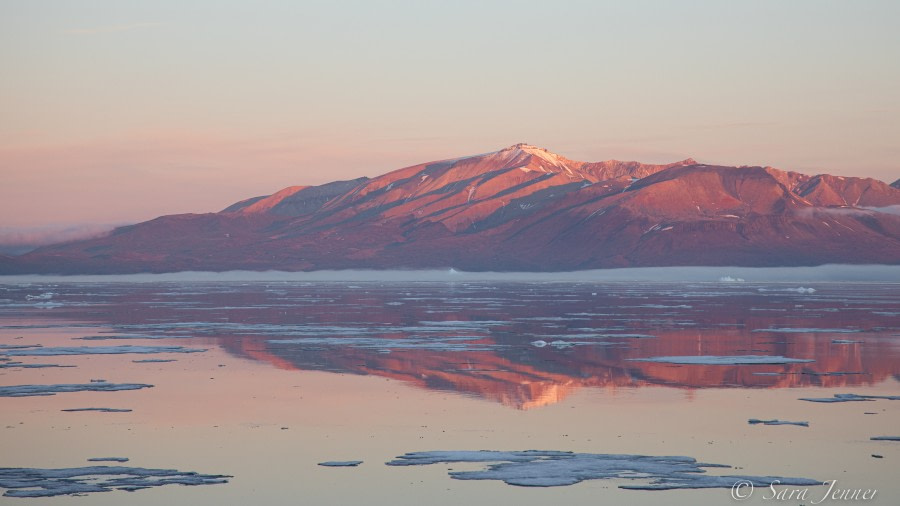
(7, 364)
(850, 398)
(31, 482)
(412, 343)
(43, 296)
(722, 360)
(100, 410)
(341, 463)
(799, 289)
(807, 330)
(97, 350)
(533, 468)
(31, 390)
(754, 421)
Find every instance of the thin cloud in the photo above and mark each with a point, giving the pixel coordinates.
(19, 240)
(112, 28)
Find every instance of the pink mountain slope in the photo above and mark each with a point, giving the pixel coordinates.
(520, 208)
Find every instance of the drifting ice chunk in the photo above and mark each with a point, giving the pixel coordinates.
(805, 331)
(99, 410)
(30, 390)
(534, 468)
(850, 398)
(723, 360)
(754, 421)
(341, 463)
(27, 482)
(98, 350)
(7, 364)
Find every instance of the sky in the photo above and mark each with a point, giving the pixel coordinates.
(119, 111)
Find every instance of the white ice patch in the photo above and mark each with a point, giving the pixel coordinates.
(43, 296)
(722, 360)
(97, 350)
(31, 390)
(99, 410)
(807, 330)
(341, 463)
(412, 343)
(534, 468)
(800, 289)
(29, 482)
(754, 421)
(850, 398)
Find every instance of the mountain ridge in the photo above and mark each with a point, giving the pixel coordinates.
(519, 208)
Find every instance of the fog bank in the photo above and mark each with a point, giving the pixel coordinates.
(823, 273)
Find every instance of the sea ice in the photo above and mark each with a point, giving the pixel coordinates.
(29, 482)
(101, 410)
(807, 330)
(754, 421)
(412, 343)
(7, 364)
(98, 350)
(534, 468)
(341, 463)
(722, 360)
(30, 390)
(850, 398)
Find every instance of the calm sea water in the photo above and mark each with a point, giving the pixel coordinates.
(292, 374)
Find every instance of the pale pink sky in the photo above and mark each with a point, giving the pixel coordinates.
(126, 111)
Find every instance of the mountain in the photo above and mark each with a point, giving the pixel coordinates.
(520, 208)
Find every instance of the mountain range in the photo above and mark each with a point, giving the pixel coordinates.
(521, 208)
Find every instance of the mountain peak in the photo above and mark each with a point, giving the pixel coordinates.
(530, 149)
(523, 148)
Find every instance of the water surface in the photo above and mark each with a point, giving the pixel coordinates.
(298, 373)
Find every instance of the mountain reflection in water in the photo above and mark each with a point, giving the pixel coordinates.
(524, 345)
